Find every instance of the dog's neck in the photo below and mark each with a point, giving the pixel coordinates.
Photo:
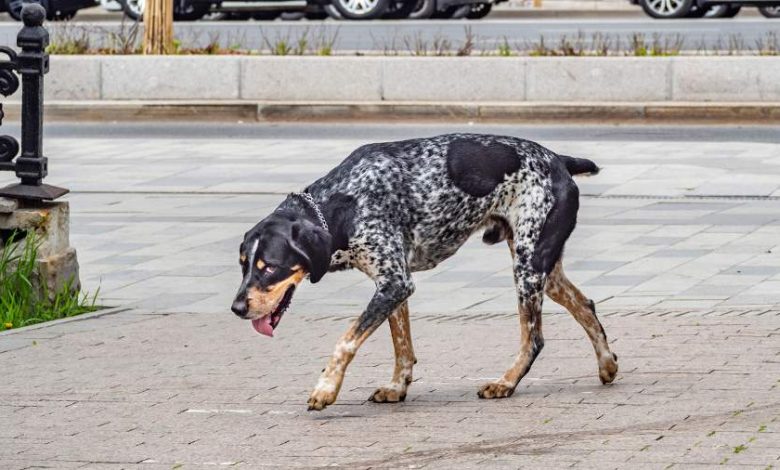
(337, 210)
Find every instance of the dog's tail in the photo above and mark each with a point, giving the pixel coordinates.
(578, 166)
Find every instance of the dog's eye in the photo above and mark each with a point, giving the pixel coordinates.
(269, 269)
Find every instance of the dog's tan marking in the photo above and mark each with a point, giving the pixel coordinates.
(561, 290)
(242, 259)
(264, 302)
(404, 358)
(260, 264)
(531, 343)
(329, 384)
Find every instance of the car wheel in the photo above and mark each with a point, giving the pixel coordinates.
(361, 9)
(399, 9)
(479, 11)
(666, 9)
(770, 12)
(722, 11)
(423, 9)
(134, 9)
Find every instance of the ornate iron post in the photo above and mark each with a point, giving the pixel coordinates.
(31, 63)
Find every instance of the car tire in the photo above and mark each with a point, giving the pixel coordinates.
(770, 12)
(479, 11)
(133, 9)
(361, 9)
(423, 9)
(667, 9)
(722, 11)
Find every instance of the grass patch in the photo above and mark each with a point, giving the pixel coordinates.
(21, 302)
(76, 38)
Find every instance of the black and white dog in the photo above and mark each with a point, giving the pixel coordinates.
(391, 209)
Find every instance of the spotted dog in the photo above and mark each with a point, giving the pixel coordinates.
(394, 208)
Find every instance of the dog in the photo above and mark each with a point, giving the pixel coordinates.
(391, 209)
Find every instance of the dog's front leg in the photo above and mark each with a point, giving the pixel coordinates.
(405, 360)
(390, 294)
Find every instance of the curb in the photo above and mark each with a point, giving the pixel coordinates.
(245, 111)
(85, 316)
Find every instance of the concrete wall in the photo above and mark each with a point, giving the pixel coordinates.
(414, 79)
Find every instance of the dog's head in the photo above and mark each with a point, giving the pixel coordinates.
(275, 257)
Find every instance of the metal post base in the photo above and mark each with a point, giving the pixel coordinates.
(44, 192)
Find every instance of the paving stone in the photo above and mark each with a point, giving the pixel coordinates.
(119, 395)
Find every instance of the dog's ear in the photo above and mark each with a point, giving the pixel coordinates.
(313, 244)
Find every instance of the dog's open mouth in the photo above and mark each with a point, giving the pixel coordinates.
(267, 324)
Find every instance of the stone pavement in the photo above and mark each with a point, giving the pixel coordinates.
(157, 223)
(203, 390)
(677, 242)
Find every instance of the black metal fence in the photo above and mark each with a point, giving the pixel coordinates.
(31, 63)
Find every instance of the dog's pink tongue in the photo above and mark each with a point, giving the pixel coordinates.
(263, 326)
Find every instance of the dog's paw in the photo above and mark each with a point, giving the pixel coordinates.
(608, 369)
(319, 399)
(496, 390)
(391, 394)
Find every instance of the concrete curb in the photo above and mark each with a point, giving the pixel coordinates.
(371, 79)
(265, 111)
(85, 316)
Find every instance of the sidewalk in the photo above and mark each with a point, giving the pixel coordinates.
(677, 242)
(152, 391)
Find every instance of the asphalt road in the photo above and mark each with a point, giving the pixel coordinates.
(407, 36)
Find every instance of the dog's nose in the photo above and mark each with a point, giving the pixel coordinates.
(239, 308)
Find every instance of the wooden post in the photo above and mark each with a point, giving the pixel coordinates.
(158, 27)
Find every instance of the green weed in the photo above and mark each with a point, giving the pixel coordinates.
(21, 302)
(504, 49)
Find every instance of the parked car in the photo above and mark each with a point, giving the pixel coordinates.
(666, 9)
(55, 9)
(191, 10)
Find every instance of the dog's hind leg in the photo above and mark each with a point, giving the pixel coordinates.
(404, 358)
(561, 290)
(529, 283)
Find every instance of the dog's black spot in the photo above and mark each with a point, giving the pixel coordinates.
(340, 209)
(477, 169)
(560, 221)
